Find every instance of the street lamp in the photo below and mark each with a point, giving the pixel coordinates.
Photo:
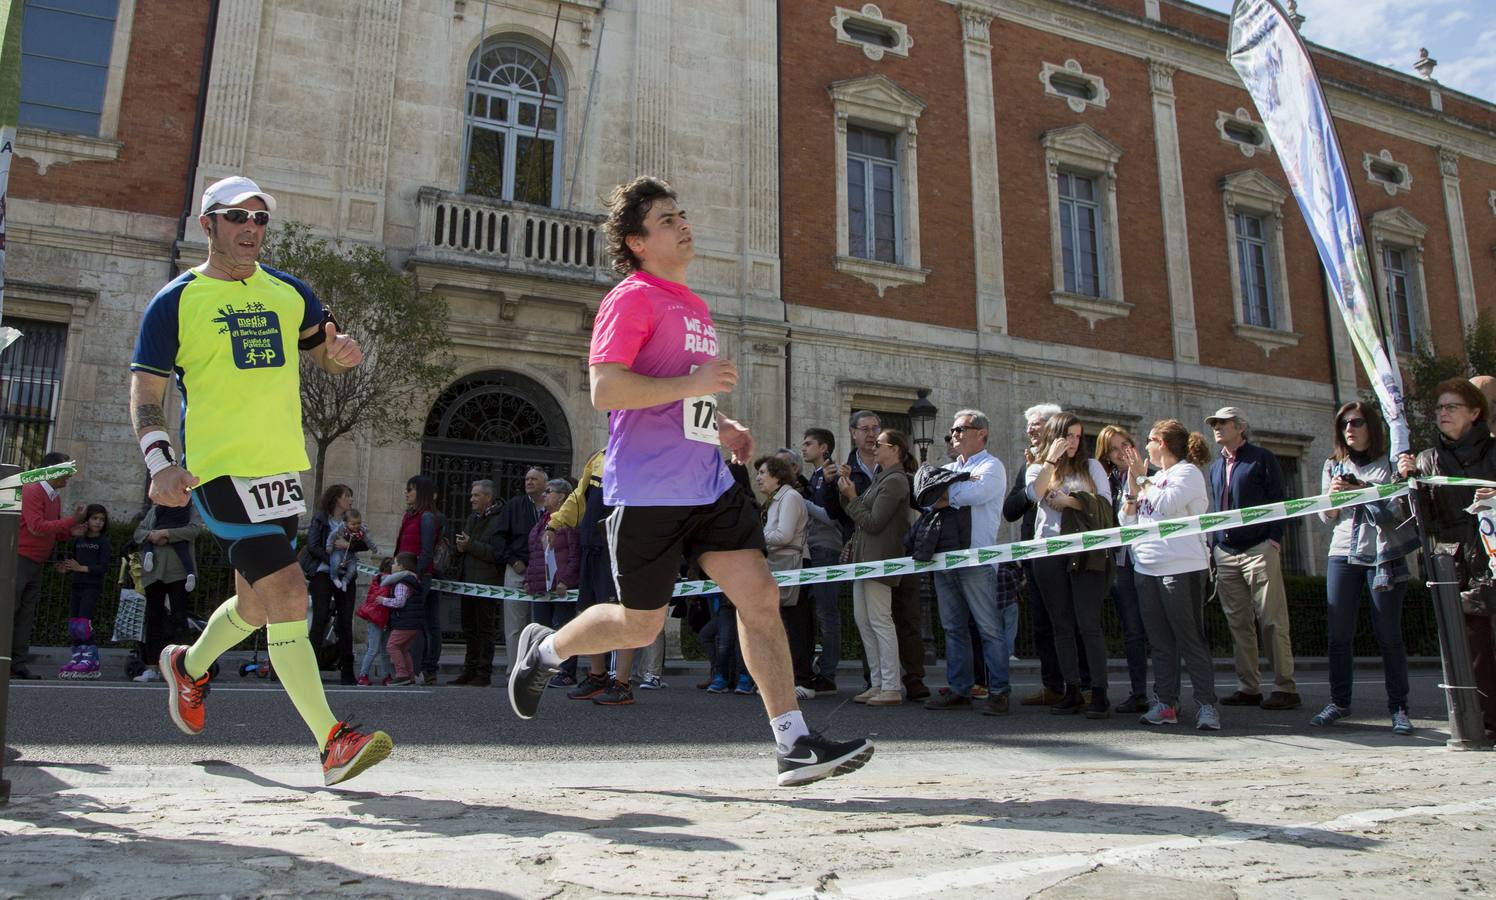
(922, 422)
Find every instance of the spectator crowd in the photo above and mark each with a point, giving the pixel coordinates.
(876, 502)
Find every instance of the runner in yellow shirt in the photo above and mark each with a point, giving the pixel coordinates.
(228, 331)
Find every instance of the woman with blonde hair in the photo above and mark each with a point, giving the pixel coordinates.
(1060, 483)
(1170, 573)
(881, 517)
(1112, 445)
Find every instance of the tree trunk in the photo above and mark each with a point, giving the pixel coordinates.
(317, 478)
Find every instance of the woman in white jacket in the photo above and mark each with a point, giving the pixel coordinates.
(1171, 573)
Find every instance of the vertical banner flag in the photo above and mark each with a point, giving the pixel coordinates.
(10, 110)
(1274, 64)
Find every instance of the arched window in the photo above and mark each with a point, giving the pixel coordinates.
(514, 117)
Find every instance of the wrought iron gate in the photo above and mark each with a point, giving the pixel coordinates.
(30, 387)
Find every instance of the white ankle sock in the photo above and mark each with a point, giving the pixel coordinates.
(788, 728)
(548, 653)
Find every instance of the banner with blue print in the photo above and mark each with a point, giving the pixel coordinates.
(1276, 68)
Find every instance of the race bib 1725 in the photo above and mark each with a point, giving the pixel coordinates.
(271, 497)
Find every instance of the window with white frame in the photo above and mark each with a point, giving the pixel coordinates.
(1400, 298)
(514, 115)
(1253, 206)
(1254, 268)
(877, 183)
(1080, 235)
(66, 47)
(1397, 258)
(1085, 244)
(872, 195)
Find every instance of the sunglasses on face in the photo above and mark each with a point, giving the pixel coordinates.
(238, 216)
(959, 430)
(1353, 423)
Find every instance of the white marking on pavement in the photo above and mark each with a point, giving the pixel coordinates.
(937, 883)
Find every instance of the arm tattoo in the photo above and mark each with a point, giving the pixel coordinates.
(149, 415)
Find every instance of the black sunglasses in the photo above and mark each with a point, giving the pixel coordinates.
(235, 215)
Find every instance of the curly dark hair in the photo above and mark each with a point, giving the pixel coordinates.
(628, 204)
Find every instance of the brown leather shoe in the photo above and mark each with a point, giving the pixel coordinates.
(915, 689)
(1241, 698)
(1042, 697)
(464, 678)
(1282, 700)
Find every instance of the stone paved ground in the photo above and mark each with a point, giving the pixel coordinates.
(1202, 818)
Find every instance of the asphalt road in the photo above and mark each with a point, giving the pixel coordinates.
(253, 723)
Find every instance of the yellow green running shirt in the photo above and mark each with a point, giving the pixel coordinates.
(232, 347)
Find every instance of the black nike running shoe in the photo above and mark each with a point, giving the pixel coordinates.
(528, 676)
(815, 756)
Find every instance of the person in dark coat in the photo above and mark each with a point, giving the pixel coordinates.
(480, 550)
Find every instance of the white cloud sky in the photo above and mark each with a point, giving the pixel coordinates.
(1390, 32)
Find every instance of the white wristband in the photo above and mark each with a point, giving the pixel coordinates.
(156, 447)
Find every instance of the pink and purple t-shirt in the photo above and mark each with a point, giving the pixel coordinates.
(660, 329)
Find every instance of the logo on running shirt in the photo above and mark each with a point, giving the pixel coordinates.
(254, 335)
(701, 337)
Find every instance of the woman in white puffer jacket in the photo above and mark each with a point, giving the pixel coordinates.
(1171, 573)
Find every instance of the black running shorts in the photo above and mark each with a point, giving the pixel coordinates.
(254, 549)
(650, 543)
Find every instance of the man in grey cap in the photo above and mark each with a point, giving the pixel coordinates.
(1248, 568)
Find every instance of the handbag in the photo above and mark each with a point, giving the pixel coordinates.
(374, 612)
(129, 616)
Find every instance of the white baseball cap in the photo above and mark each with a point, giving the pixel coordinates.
(232, 191)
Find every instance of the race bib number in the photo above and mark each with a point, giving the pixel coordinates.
(699, 418)
(271, 497)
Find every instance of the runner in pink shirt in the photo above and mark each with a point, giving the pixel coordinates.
(655, 370)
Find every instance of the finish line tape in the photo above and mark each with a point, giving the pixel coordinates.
(1039, 548)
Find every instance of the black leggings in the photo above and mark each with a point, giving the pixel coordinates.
(331, 604)
(165, 617)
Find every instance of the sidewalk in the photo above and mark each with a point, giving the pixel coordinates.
(1252, 817)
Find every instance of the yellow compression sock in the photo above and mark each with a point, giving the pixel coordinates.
(224, 632)
(296, 667)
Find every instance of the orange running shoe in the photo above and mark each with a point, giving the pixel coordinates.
(350, 752)
(184, 695)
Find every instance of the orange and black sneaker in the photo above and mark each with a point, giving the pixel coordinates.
(184, 694)
(350, 751)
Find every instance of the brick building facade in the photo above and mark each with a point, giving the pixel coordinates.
(1077, 205)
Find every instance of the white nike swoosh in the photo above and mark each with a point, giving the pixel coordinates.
(809, 759)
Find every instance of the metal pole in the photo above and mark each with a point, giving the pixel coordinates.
(1466, 731)
(10, 526)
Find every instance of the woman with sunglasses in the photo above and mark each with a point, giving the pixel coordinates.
(1464, 447)
(881, 518)
(1368, 556)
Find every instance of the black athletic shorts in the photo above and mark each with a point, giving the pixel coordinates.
(649, 543)
(597, 579)
(254, 549)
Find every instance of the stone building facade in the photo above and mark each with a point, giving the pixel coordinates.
(1016, 201)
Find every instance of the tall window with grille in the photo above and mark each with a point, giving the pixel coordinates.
(872, 195)
(65, 49)
(1400, 299)
(514, 120)
(1255, 270)
(1080, 235)
(30, 387)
